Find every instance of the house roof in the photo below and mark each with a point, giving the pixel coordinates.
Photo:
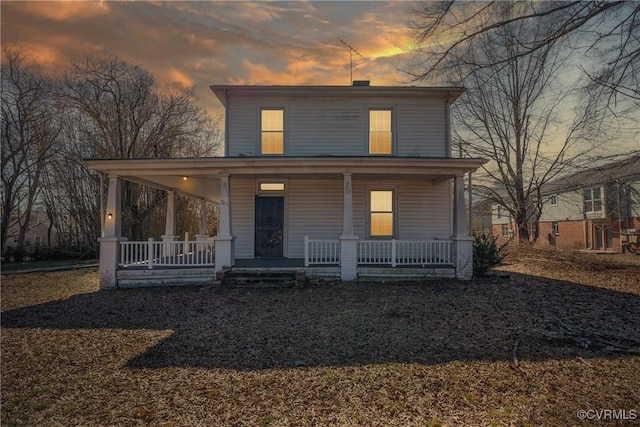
(203, 173)
(449, 93)
(621, 170)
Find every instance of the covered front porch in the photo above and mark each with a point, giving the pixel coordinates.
(344, 254)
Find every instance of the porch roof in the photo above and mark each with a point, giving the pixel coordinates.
(202, 174)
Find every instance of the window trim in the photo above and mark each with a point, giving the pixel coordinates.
(260, 131)
(592, 201)
(265, 192)
(393, 212)
(392, 126)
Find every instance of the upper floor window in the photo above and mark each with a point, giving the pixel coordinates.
(380, 135)
(499, 211)
(554, 200)
(381, 211)
(272, 131)
(592, 200)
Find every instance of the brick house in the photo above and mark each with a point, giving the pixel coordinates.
(594, 209)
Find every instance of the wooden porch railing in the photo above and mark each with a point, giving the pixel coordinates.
(318, 252)
(167, 254)
(382, 252)
(405, 252)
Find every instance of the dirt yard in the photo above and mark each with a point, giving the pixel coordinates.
(553, 339)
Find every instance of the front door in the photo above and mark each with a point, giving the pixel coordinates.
(269, 226)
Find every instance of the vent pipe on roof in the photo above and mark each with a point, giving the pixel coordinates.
(361, 83)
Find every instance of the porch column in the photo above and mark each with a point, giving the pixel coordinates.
(462, 241)
(348, 241)
(224, 239)
(110, 243)
(169, 235)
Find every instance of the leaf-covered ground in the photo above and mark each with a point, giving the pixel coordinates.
(552, 335)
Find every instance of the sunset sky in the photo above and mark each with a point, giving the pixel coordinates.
(197, 43)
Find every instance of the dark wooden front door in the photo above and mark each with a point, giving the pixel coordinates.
(269, 226)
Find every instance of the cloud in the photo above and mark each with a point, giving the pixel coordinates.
(196, 44)
(181, 78)
(67, 10)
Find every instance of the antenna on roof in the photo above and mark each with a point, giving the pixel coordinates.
(352, 50)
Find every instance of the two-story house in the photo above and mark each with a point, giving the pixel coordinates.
(594, 209)
(347, 181)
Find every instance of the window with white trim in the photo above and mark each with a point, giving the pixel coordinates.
(505, 230)
(555, 228)
(592, 200)
(554, 200)
(380, 133)
(381, 213)
(272, 131)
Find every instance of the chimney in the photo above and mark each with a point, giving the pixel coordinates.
(361, 83)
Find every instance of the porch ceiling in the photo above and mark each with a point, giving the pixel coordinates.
(203, 174)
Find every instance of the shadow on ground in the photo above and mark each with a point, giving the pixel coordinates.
(525, 317)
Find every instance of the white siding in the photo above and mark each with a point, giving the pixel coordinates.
(326, 127)
(242, 127)
(422, 209)
(421, 129)
(242, 215)
(335, 126)
(570, 207)
(314, 209)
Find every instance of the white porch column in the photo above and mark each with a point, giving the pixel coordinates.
(169, 236)
(224, 239)
(463, 242)
(110, 243)
(348, 241)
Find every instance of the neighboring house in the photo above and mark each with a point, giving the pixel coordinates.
(482, 217)
(595, 209)
(37, 233)
(349, 181)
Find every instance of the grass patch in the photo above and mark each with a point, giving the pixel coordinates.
(490, 352)
(33, 265)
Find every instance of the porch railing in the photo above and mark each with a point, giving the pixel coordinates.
(317, 252)
(167, 254)
(382, 252)
(405, 252)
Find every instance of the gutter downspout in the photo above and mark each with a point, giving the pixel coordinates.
(226, 123)
(447, 121)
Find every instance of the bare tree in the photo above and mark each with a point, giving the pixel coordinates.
(115, 110)
(514, 114)
(30, 130)
(607, 31)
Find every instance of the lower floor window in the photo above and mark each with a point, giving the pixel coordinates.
(555, 228)
(505, 230)
(381, 211)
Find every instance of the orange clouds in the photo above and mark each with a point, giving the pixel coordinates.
(176, 76)
(67, 10)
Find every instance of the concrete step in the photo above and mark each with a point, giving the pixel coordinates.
(248, 278)
(165, 277)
